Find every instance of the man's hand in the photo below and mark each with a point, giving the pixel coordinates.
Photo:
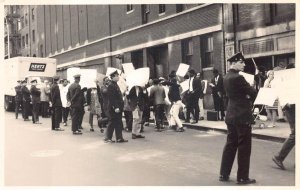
(117, 110)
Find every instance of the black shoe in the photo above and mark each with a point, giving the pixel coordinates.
(140, 136)
(101, 130)
(246, 181)
(80, 127)
(142, 130)
(201, 118)
(278, 163)
(281, 120)
(77, 133)
(26, 120)
(223, 178)
(146, 124)
(92, 130)
(194, 122)
(121, 141)
(181, 129)
(133, 136)
(59, 129)
(109, 141)
(186, 121)
(158, 130)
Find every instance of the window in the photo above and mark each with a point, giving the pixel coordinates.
(26, 20)
(179, 8)
(187, 51)
(26, 39)
(161, 8)
(41, 50)
(145, 13)
(207, 44)
(33, 35)
(129, 7)
(23, 41)
(32, 13)
(22, 22)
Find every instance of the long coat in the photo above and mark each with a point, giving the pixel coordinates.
(75, 96)
(35, 94)
(115, 98)
(55, 95)
(240, 99)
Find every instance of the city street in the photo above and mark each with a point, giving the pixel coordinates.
(37, 156)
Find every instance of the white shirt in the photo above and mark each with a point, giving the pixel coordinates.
(191, 84)
(216, 79)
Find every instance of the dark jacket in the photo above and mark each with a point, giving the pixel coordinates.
(240, 99)
(55, 95)
(115, 98)
(19, 95)
(26, 94)
(135, 100)
(103, 98)
(197, 89)
(174, 91)
(218, 86)
(75, 96)
(35, 94)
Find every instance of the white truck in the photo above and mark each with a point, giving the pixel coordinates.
(25, 68)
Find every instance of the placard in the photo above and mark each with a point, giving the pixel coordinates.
(249, 78)
(71, 72)
(266, 96)
(88, 78)
(128, 68)
(138, 77)
(182, 69)
(184, 85)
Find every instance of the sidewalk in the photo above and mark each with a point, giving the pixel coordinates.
(278, 133)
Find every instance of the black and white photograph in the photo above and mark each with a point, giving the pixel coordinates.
(183, 94)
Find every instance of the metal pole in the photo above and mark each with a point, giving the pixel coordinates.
(7, 26)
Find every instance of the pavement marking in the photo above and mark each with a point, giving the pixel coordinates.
(140, 155)
(46, 153)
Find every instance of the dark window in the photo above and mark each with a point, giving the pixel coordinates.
(187, 51)
(207, 44)
(22, 22)
(145, 13)
(23, 41)
(179, 8)
(129, 7)
(26, 39)
(33, 35)
(32, 13)
(161, 8)
(26, 20)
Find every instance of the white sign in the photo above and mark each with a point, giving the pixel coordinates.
(88, 78)
(71, 72)
(128, 68)
(110, 70)
(138, 77)
(266, 96)
(182, 69)
(249, 78)
(122, 84)
(184, 85)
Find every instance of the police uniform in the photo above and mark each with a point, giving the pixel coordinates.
(238, 119)
(36, 100)
(26, 100)
(18, 99)
(77, 101)
(56, 104)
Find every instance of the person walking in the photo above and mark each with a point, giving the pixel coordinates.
(94, 107)
(157, 96)
(115, 108)
(45, 92)
(26, 100)
(76, 99)
(18, 99)
(238, 119)
(56, 105)
(36, 100)
(103, 99)
(65, 104)
(128, 114)
(271, 110)
(218, 92)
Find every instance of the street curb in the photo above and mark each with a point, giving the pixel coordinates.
(257, 136)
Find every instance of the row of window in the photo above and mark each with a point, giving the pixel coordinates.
(26, 37)
(161, 8)
(24, 19)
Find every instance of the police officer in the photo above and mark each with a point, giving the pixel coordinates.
(56, 105)
(238, 120)
(18, 98)
(36, 100)
(115, 109)
(26, 100)
(77, 100)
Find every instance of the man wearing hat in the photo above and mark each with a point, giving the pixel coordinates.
(238, 120)
(115, 109)
(77, 101)
(36, 100)
(18, 98)
(26, 100)
(56, 105)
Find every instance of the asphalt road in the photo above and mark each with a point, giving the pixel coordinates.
(37, 156)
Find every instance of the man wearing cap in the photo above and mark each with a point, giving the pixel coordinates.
(115, 109)
(26, 100)
(36, 100)
(18, 98)
(77, 101)
(238, 120)
(56, 105)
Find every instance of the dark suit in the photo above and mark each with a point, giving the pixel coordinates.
(26, 101)
(56, 106)
(238, 119)
(36, 100)
(18, 100)
(193, 106)
(75, 96)
(218, 92)
(115, 100)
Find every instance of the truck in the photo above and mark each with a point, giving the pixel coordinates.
(25, 68)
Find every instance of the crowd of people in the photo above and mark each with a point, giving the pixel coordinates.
(169, 104)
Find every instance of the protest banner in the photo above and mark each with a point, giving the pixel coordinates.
(249, 78)
(184, 85)
(88, 78)
(266, 96)
(182, 69)
(122, 83)
(71, 72)
(128, 68)
(138, 77)
(283, 78)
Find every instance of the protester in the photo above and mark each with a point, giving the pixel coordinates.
(201, 97)
(103, 99)
(128, 115)
(26, 100)
(36, 100)
(238, 120)
(45, 92)
(157, 96)
(94, 107)
(56, 105)
(115, 108)
(217, 92)
(146, 111)
(271, 110)
(65, 104)
(18, 99)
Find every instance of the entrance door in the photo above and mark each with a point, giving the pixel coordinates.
(157, 60)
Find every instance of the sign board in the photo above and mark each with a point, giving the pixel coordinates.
(182, 69)
(71, 72)
(249, 78)
(37, 67)
(128, 68)
(138, 77)
(184, 85)
(266, 96)
(88, 78)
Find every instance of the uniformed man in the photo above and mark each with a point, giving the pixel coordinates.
(18, 98)
(238, 119)
(36, 100)
(56, 105)
(26, 100)
(77, 100)
(115, 109)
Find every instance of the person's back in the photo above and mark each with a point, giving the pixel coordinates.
(157, 92)
(76, 98)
